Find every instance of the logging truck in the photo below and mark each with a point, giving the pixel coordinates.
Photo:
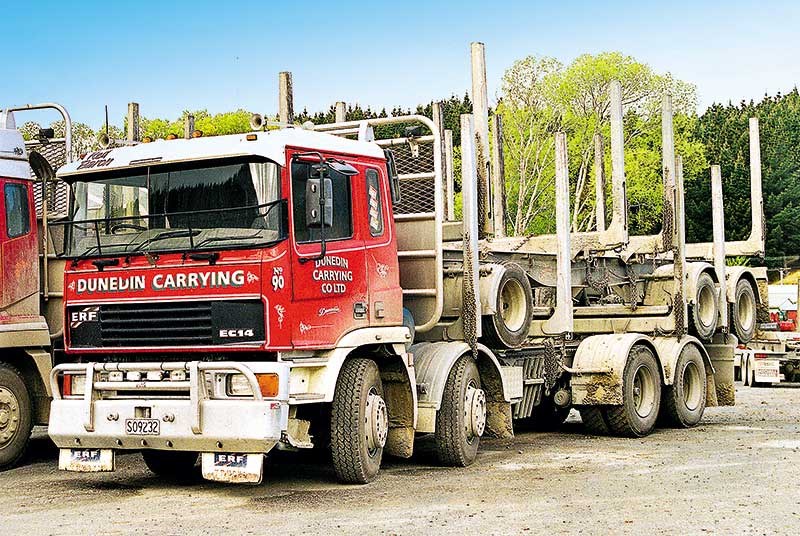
(311, 286)
(30, 277)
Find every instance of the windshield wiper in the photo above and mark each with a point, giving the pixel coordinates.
(227, 238)
(164, 235)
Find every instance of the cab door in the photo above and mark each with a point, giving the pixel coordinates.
(329, 292)
(383, 274)
(18, 248)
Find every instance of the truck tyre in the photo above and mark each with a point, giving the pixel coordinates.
(594, 420)
(408, 321)
(359, 422)
(16, 412)
(744, 312)
(461, 419)
(685, 399)
(703, 314)
(751, 376)
(641, 395)
(508, 326)
(171, 464)
(548, 417)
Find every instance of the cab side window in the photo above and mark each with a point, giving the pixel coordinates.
(342, 225)
(18, 221)
(374, 206)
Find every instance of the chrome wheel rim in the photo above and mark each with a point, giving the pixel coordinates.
(376, 421)
(9, 416)
(474, 411)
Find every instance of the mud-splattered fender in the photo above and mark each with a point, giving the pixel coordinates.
(598, 367)
(734, 274)
(668, 351)
(433, 362)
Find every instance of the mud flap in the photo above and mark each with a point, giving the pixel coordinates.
(721, 351)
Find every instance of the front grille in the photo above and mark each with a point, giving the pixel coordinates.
(157, 324)
(167, 324)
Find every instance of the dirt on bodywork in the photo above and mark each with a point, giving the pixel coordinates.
(729, 475)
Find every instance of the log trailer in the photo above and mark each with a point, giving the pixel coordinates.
(299, 287)
(30, 277)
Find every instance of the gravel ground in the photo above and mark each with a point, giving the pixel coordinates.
(733, 474)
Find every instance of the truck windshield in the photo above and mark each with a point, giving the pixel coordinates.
(225, 203)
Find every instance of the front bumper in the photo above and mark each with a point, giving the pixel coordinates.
(194, 417)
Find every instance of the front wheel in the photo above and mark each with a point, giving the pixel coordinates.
(461, 419)
(172, 464)
(359, 422)
(685, 399)
(641, 395)
(16, 420)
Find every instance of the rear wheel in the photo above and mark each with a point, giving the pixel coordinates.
(461, 419)
(16, 420)
(508, 326)
(685, 399)
(703, 314)
(594, 420)
(641, 395)
(359, 422)
(744, 312)
(548, 417)
(173, 464)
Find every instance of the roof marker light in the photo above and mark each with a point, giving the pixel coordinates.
(197, 134)
(251, 137)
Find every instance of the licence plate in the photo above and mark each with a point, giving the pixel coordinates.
(233, 467)
(86, 460)
(142, 427)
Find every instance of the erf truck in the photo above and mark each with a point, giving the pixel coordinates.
(30, 278)
(768, 359)
(306, 287)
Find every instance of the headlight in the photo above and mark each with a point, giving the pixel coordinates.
(74, 384)
(237, 385)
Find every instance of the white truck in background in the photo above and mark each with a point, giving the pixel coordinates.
(769, 359)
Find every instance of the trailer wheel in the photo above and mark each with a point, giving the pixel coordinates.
(594, 420)
(685, 399)
(359, 422)
(703, 315)
(461, 419)
(641, 395)
(751, 376)
(508, 326)
(744, 312)
(548, 417)
(16, 420)
(171, 464)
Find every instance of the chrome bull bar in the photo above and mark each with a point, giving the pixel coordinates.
(197, 389)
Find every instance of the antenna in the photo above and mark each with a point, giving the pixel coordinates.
(106, 120)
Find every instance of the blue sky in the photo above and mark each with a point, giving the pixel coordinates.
(176, 55)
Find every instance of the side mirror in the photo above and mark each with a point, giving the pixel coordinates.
(394, 178)
(319, 202)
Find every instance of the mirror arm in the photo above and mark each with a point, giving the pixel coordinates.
(322, 245)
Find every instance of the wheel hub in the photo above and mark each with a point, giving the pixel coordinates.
(9, 415)
(377, 424)
(475, 409)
